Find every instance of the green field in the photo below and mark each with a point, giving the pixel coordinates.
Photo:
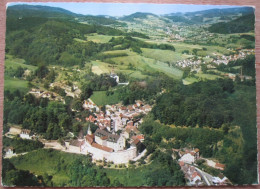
(13, 84)
(99, 38)
(11, 62)
(132, 176)
(99, 67)
(189, 80)
(100, 98)
(170, 71)
(164, 55)
(49, 162)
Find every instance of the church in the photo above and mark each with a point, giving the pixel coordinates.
(112, 142)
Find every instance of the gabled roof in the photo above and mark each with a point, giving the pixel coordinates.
(110, 137)
(95, 145)
(25, 131)
(75, 143)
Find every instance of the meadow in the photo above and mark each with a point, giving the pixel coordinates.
(101, 99)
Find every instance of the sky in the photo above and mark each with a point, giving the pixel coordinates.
(121, 9)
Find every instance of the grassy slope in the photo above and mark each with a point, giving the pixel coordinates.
(131, 176)
(100, 98)
(164, 55)
(14, 83)
(14, 63)
(99, 38)
(46, 161)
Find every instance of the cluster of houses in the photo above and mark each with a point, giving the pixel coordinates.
(117, 116)
(194, 64)
(187, 161)
(116, 126)
(192, 176)
(226, 59)
(23, 133)
(45, 94)
(72, 91)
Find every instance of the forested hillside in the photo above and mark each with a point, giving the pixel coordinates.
(242, 24)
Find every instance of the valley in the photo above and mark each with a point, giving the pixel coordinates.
(137, 100)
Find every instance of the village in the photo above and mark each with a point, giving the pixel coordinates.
(118, 140)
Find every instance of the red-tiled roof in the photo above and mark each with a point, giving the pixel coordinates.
(95, 145)
(219, 165)
(181, 163)
(140, 137)
(90, 138)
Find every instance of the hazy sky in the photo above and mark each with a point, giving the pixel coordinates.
(120, 9)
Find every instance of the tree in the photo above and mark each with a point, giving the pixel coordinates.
(86, 92)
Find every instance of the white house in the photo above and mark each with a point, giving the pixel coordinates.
(187, 158)
(25, 134)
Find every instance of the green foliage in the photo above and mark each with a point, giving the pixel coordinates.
(22, 145)
(202, 138)
(13, 177)
(203, 104)
(242, 24)
(135, 44)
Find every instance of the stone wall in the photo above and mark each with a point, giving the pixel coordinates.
(117, 157)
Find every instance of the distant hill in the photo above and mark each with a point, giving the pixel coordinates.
(140, 15)
(102, 20)
(240, 25)
(210, 16)
(20, 11)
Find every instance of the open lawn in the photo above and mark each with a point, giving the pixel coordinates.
(13, 83)
(100, 98)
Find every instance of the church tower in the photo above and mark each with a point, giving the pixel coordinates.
(89, 130)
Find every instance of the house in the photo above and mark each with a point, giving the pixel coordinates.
(25, 134)
(188, 158)
(9, 151)
(195, 178)
(220, 180)
(115, 77)
(91, 119)
(220, 166)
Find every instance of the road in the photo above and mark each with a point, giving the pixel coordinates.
(206, 177)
